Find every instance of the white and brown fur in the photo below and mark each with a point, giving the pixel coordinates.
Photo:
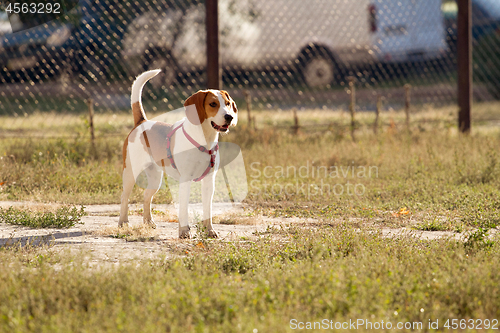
(206, 110)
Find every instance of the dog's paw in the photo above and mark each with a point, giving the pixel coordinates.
(207, 229)
(122, 224)
(212, 234)
(184, 233)
(150, 223)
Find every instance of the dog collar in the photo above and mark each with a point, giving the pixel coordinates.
(212, 152)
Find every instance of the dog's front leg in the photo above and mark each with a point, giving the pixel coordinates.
(207, 195)
(184, 190)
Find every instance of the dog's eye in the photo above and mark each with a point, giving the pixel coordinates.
(213, 104)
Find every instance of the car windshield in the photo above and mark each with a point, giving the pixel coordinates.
(491, 7)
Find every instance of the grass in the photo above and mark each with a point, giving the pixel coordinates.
(135, 233)
(338, 274)
(434, 225)
(478, 239)
(432, 171)
(431, 179)
(64, 217)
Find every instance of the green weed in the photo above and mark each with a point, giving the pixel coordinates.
(434, 225)
(64, 217)
(307, 275)
(478, 240)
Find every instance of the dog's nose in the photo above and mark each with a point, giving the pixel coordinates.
(228, 118)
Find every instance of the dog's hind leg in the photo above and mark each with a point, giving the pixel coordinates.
(128, 185)
(154, 176)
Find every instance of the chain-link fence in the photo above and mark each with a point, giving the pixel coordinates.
(281, 53)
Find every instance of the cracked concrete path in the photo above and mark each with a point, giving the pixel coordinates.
(99, 237)
(95, 234)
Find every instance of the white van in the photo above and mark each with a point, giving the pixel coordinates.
(319, 38)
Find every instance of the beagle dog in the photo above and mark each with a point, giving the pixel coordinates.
(186, 150)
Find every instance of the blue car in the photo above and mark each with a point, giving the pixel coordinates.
(485, 20)
(85, 42)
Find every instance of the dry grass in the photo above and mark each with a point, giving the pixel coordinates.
(337, 273)
(119, 123)
(429, 179)
(133, 233)
(159, 215)
(432, 171)
(32, 206)
(237, 219)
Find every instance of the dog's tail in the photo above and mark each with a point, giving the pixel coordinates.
(137, 110)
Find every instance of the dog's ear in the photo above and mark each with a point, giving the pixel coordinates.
(198, 100)
(233, 104)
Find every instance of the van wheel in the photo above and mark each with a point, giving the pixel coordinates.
(164, 61)
(318, 68)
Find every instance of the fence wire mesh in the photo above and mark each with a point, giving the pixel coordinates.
(282, 53)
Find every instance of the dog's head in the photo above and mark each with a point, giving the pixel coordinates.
(214, 106)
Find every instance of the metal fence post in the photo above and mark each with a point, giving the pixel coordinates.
(212, 25)
(90, 103)
(296, 125)
(407, 105)
(464, 62)
(352, 105)
(248, 100)
(377, 114)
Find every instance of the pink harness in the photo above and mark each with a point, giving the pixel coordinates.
(211, 152)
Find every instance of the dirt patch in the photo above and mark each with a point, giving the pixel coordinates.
(100, 240)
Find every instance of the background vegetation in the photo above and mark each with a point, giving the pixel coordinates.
(443, 180)
(429, 178)
(334, 273)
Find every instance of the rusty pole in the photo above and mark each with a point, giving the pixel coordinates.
(352, 105)
(212, 25)
(464, 62)
(407, 105)
(377, 114)
(90, 104)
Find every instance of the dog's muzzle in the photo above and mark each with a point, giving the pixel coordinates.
(222, 128)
